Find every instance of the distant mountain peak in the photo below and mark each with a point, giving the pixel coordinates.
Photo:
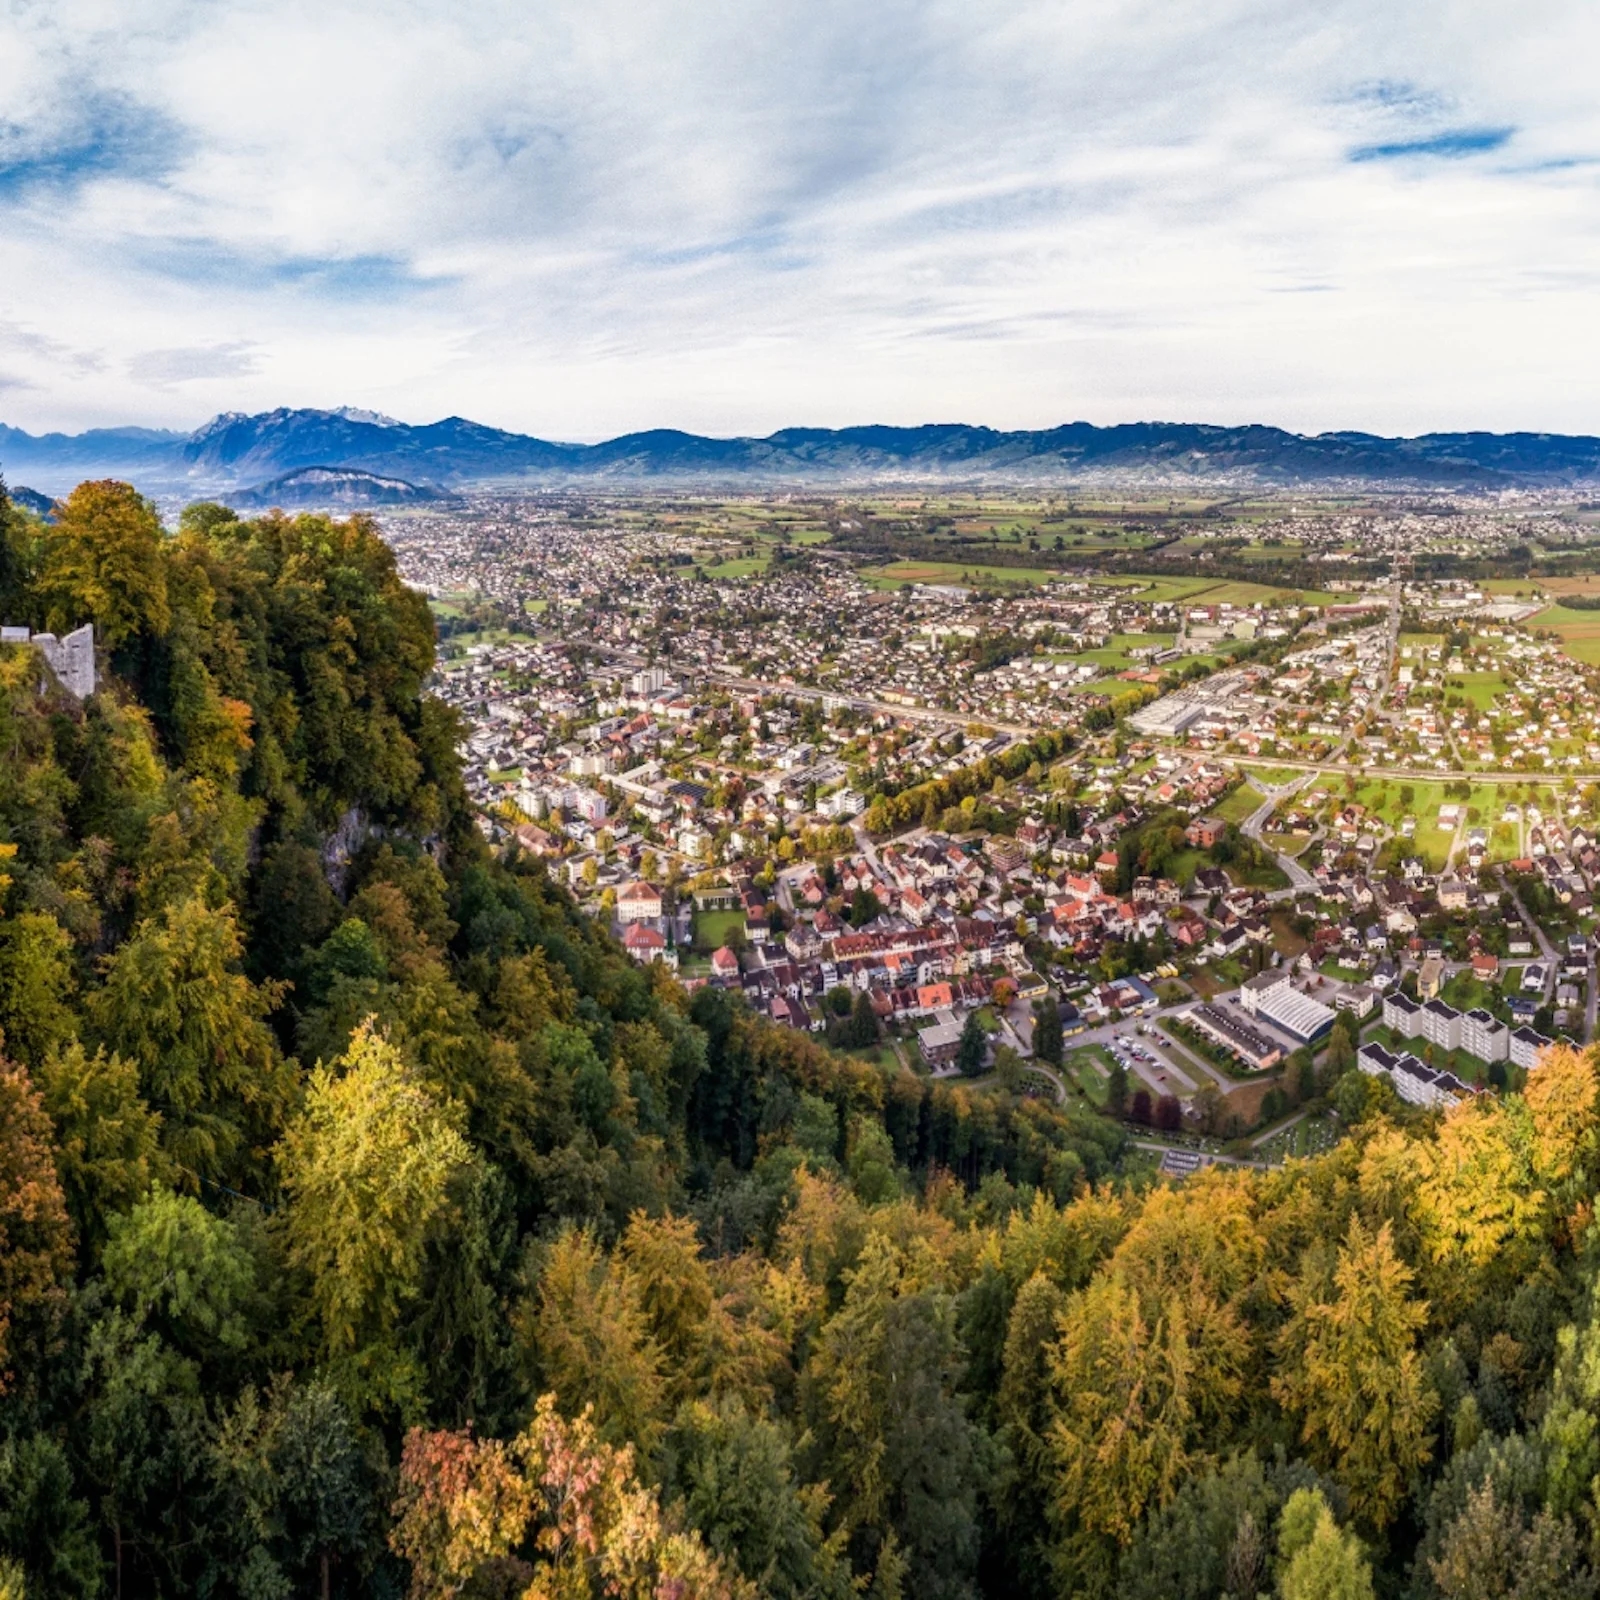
(236, 449)
(361, 414)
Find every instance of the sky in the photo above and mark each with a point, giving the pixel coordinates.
(577, 218)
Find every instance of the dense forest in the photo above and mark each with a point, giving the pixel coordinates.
(370, 1226)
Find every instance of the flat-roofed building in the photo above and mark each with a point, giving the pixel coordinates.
(1441, 1025)
(1253, 989)
(1402, 1015)
(1524, 1046)
(1252, 1046)
(1296, 1014)
(1484, 1035)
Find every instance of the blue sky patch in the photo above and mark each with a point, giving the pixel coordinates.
(1455, 143)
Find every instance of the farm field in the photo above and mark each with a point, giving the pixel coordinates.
(954, 572)
(1587, 585)
(1578, 631)
(739, 567)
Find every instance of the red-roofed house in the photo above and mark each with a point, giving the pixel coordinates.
(646, 944)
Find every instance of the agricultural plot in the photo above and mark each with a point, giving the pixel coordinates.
(739, 567)
(1577, 631)
(953, 572)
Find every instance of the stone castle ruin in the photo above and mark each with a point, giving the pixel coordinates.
(71, 659)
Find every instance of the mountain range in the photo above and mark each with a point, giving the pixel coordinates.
(234, 454)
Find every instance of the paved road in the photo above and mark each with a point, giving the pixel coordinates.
(1590, 1005)
(1300, 880)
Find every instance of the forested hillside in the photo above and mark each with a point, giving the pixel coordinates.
(370, 1225)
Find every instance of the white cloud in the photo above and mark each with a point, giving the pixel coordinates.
(584, 216)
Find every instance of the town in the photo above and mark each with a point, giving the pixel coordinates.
(1238, 861)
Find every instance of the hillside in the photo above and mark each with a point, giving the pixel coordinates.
(369, 1224)
(235, 452)
(338, 487)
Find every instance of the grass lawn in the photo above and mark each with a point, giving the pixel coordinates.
(1268, 875)
(1273, 777)
(1333, 969)
(1217, 977)
(1089, 1068)
(1241, 804)
(1285, 940)
(1116, 653)
(711, 928)
(1158, 589)
(1480, 688)
(1431, 843)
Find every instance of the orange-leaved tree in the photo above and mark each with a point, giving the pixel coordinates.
(559, 1514)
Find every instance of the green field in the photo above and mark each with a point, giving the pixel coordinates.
(1578, 631)
(1089, 1069)
(1241, 804)
(1216, 592)
(1116, 652)
(1480, 688)
(1272, 777)
(739, 567)
(1249, 594)
(1431, 843)
(1154, 590)
(953, 572)
(711, 928)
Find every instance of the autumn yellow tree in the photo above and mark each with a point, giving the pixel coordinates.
(1479, 1204)
(1122, 1435)
(587, 1337)
(1563, 1095)
(1350, 1372)
(104, 563)
(368, 1167)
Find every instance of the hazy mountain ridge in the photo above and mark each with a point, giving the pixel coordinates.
(332, 487)
(238, 451)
